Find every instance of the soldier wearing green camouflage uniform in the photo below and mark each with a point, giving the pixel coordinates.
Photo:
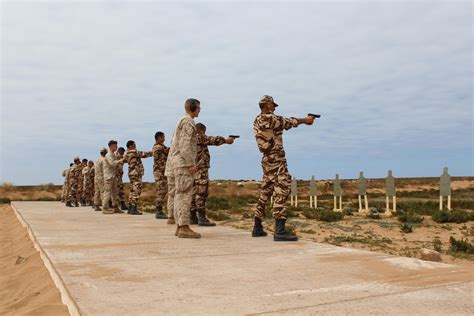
(201, 182)
(99, 180)
(160, 154)
(74, 179)
(121, 191)
(268, 130)
(110, 165)
(135, 173)
(181, 169)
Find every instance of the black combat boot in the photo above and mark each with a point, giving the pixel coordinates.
(280, 234)
(77, 204)
(83, 202)
(258, 228)
(202, 219)
(68, 204)
(97, 208)
(159, 213)
(133, 210)
(110, 204)
(194, 219)
(123, 207)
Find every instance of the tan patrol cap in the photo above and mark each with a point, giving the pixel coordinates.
(77, 158)
(266, 99)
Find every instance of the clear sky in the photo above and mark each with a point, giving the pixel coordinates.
(392, 80)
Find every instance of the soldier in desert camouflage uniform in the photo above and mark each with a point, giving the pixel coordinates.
(135, 173)
(99, 180)
(180, 170)
(80, 188)
(268, 130)
(160, 154)
(110, 164)
(64, 191)
(201, 182)
(84, 172)
(88, 195)
(74, 178)
(121, 191)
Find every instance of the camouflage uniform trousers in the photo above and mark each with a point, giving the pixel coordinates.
(161, 187)
(121, 191)
(180, 195)
(64, 192)
(135, 190)
(110, 192)
(73, 195)
(98, 191)
(277, 182)
(89, 193)
(201, 189)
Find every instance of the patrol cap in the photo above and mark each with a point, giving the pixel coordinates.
(103, 150)
(77, 159)
(266, 99)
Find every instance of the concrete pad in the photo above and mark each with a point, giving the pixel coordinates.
(133, 265)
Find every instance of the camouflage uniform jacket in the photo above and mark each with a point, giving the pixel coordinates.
(85, 173)
(119, 167)
(91, 175)
(135, 164)
(111, 162)
(183, 146)
(99, 168)
(268, 131)
(160, 154)
(75, 173)
(203, 156)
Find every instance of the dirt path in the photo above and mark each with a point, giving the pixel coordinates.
(26, 286)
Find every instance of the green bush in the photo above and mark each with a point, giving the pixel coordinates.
(461, 245)
(455, 216)
(323, 215)
(406, 228)
(218, 216)
(437, 245)
(5, 201)
(410, 218)
(217, 203)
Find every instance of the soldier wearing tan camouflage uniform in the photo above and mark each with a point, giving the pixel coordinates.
(64, 191)
(99, 180)
(135, 173)
(268, 130)
(160, 154)
(111, 162)
(121, 191)
(80, 189)
(88, 195)
(201, 182)
(180, 170)
(74, 178)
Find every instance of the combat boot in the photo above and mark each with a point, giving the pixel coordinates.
(77, 204)
(280, 234)
(97, 208)
(202, 219)
(186, 232)
(133, 210)
(170, 221)
(258, 228)
(176, 231)
(194, 219)
(117, 210)
(68, 204)
(123, 206)
(107, 210)
(159, 213)
(83, 202)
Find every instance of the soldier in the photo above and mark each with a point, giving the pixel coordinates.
(201, 182)
(121, 191)
(180, 170)
(81, 182)
(110, 164)
(74, 178)
(84, 172)
(135, 173)
(99, 180)
(89, 184)
(160, 154)
(65, 185)
(268, 129)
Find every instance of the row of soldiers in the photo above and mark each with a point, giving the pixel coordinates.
(181, 171)
(100, 184)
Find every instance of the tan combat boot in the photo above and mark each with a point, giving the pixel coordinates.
(117, 210)
(186, 232)
(177, 230)
(107, 210)
(171, 221)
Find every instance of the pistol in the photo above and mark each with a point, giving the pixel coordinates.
(314, 115)
(234, 136)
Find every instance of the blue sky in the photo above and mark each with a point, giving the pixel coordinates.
(392, 81)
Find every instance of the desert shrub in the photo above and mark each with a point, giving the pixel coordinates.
(47, 198)
(308, 231)
(218, 216)
(437, 244)
(406, 228)
(5, 201)
(461, 245)
(217, 203)
(409, 218)
(419, 207)
(329, 216)
(348, 211)
(456, 216)
(7, 186)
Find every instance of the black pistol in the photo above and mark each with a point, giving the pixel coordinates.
(314, 115)
(234, 136)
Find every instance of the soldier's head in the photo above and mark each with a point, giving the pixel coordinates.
(84, 161)
(131, 144)
(159, 137)
(113, 145)
(121, 150)
(70, 165)
(77, 160)
(266, 104)
(201, 128)
(90, 163)
(192, 107)
(103, 152)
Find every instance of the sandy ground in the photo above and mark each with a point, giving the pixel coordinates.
(27, 288)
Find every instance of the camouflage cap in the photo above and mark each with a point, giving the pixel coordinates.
(266, 99)
(103, 150)
(77, 158)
